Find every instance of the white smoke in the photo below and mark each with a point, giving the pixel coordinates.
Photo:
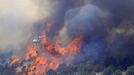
(17, 18)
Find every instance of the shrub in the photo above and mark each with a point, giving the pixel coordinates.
(117, 72)
(109, 70)
(130, 70)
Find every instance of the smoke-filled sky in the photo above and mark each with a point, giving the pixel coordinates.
(17, 18)
(106, 25)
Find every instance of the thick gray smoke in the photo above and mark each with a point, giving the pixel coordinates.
(83, 20)
(108, 30)
(87, 21)
(106, 25)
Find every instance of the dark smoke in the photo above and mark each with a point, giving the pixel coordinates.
(59, 9)
(106, 25)
(107, 39)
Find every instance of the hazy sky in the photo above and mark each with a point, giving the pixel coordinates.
(16, 20)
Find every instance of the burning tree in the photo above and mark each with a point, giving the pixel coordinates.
(44, 55)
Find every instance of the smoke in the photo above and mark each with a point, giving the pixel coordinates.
(107, 28)
(120, 30)
(17, 18)
(87, 21)
(106, 25)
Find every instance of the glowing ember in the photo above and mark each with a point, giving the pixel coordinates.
(45, 55)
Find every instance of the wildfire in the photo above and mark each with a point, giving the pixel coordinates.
(45, 55)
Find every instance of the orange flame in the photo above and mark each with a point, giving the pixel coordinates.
(39, 61)
(49, 26)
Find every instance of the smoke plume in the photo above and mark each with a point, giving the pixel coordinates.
(107, 28)
(106, 25)
(17, 18)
